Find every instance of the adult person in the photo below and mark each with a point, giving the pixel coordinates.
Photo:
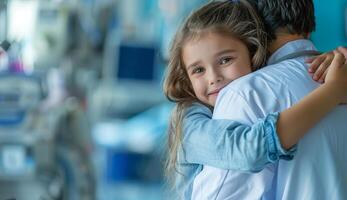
(317, 170)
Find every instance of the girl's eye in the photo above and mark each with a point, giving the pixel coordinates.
(224, 61)
(198, 70)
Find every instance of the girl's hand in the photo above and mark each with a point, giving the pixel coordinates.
(343, 50)
(319, 66)
(337, 74)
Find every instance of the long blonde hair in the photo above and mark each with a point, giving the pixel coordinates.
(235, 18)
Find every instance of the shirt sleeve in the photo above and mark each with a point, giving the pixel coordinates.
(230, 144)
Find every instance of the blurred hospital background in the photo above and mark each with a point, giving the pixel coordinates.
(82, 113)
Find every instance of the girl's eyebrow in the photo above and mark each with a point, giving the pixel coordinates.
(193, 65)
(225, 51)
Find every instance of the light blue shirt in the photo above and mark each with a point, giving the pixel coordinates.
(224, 144)
(318, 171)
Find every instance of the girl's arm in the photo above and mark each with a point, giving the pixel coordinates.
(228, 144)
(294, 122)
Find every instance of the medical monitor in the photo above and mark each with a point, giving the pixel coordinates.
(136, 63)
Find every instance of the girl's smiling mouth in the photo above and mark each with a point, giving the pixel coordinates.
(215, 92)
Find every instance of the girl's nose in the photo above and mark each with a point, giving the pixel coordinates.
(215, 78)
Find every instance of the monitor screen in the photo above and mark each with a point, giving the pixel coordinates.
(136, 62)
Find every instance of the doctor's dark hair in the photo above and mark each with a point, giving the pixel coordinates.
(295, 16)
(237, 19)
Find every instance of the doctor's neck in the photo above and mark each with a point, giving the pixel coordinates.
(282, 38)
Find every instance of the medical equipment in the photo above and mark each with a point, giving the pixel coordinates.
(36, 162)
(26, 140)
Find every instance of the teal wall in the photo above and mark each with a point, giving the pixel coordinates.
(331, 24)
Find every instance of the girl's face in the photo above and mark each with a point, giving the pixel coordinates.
(212, 62)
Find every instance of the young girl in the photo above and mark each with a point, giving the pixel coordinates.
(231, 43)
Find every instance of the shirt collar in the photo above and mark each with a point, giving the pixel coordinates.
(290, 47)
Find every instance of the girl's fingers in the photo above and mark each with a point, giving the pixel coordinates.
(322, 69)
(316, 61)
(322, 78)
(333, 71)
(338, 60)
(343, 50)
(310, 59)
